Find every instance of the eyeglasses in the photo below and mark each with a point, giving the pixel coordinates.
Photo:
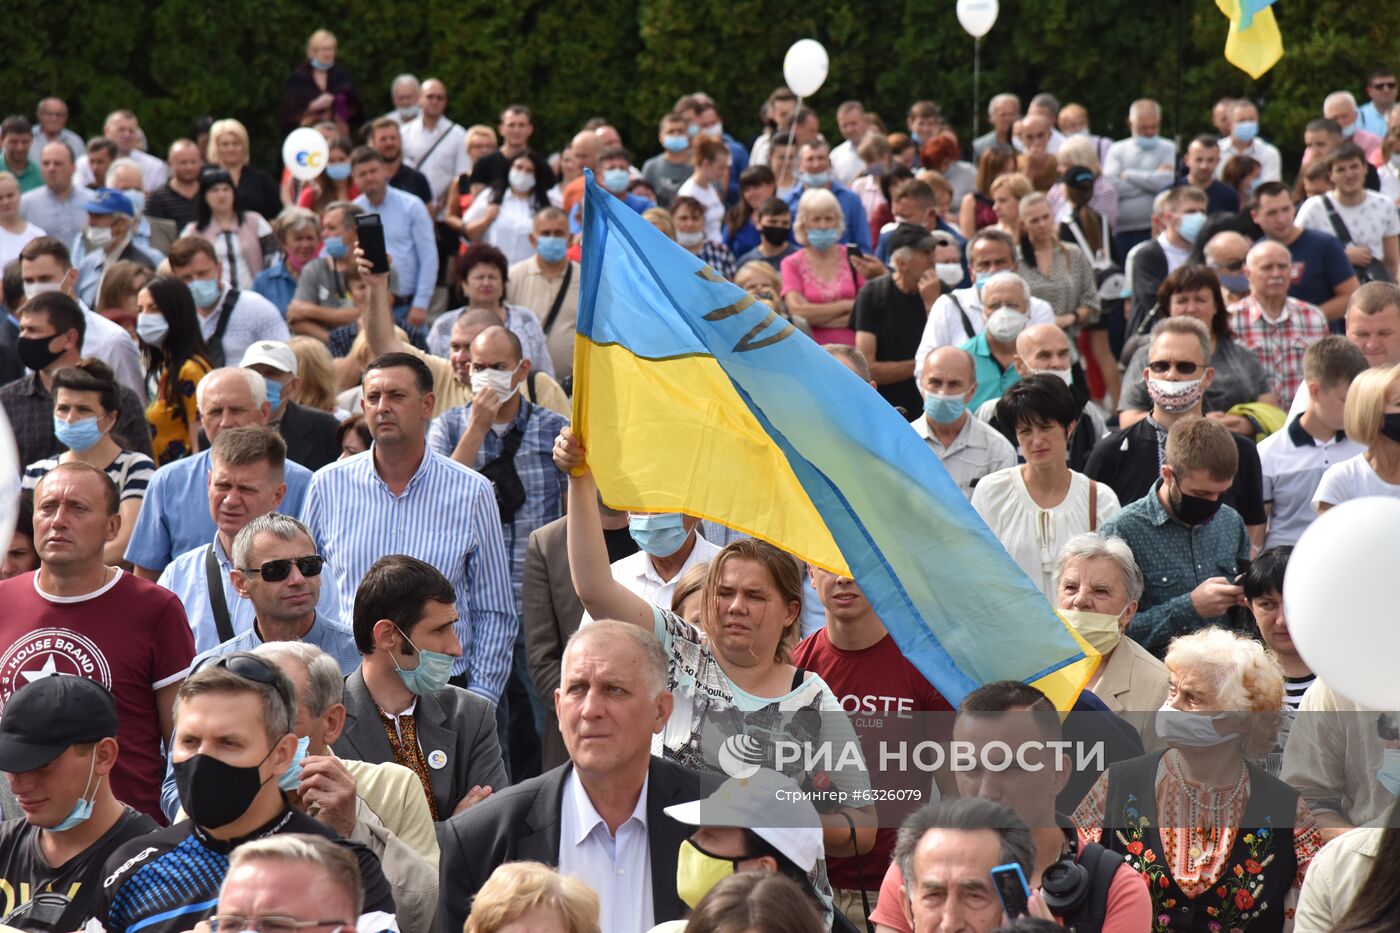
(275, 571)
(232, 923)
(1232, 266)
(1184, 367)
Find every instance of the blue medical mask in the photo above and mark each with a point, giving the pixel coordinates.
(816, 179)
(291, 778)
(553, 248)
(823, 239)
(1237, 283)
(944, 409)
(1389, 772)
(82, 808)
(432, 673)
(658, 535)
(1245, 131)
(78, 436)
(1191, 225)
(205, 292)
(1145, 142)
(274, 393)
(320, 65)
(335, 247)
(615, 180)
(692, 129)
(676, 143)
(1349, 131)
(338, 171)
(980, 280)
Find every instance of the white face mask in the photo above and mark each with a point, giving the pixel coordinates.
(495, 379)
(690, 238)
(99, 237)
(34, 289)
(1099, 629)
(949, 273)
(1006, 324)
(1191, 730)
(1066, 375)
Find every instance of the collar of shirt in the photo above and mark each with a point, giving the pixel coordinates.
(648, 569)
(225, 561)
(968, 435)
(1160, 515)
(423, 466)
(1255, 312)
(1301, 438)
(395, 717)
(585, 818)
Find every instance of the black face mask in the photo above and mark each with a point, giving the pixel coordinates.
(1193, 510)
(34, 352)
(775, 236)
(214, 793)
(1390, 426)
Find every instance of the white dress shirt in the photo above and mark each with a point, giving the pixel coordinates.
(617, 867)
(978, 449)
(1270, 162)
(440, 153)
(846, 165)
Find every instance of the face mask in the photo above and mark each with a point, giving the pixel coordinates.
(875, 169)
(917, 139)
(1190, 226)
(1099, 629)
(981, 279)
(291, 778)
(697, 872)
(138, 201)
(692, 129)
(495, 379)
(1389, 772)
(1193, 510)
(553, 248)
(1006, 324)
(99, 237)
(320, 65)
(944, 409)
(1194, 730)
(1174, 397)
(1236, 283)
(658, 535)
(335, 247)
(35, 354)
(82, 808)
(1390, 427)
(34, 289)
(1145, 142)
(432, 673)
(274, 393)
(716, 131)
(1349, 131)
(152, 328)
(1064, 375)
(690, 238)
(214, 793)
(676, 143)
(775, 236)
(205, 292)
(338, 171)
(615, 180)
(949, 273)
(815, 179)
(1245, 131)
(522, 181)
(1083, 132)
(407, 113)
(78, 436)
(823, 239)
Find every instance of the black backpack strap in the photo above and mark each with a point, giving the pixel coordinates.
(798, 675)
(216, 346)
(559, 298)
(214, 576)
(1102, 865)
(966, 321)
(1338, 226)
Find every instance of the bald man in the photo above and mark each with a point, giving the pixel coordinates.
(586, 147)
(1279, 329)
(1037, 162)
(1225, 253)
(175, 200)
(434, 145)
(968, 447)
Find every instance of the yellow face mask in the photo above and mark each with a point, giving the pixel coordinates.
(697, 871)
(1099, 629)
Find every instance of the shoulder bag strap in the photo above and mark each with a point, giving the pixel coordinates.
(214, 576)
(446, 131)
(966, 321)
(225, 312)
(559, 298)
(1093, 505)
(1338, 226)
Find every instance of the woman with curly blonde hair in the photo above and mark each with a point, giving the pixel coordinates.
(532, 896)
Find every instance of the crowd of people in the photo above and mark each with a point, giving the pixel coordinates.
(350, 640)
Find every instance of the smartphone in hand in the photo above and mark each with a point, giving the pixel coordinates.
(371, 232)
(1011, 887)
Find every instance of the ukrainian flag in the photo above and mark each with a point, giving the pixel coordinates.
(1254, 44)
(692, 397)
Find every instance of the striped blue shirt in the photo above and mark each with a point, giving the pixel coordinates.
(447, 517)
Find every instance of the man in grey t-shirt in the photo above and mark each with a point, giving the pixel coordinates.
(669, 170)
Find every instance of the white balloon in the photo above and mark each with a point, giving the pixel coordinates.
(305, 153)
(9, 483)
(1339, 596)
(977, 16)
(804, 67)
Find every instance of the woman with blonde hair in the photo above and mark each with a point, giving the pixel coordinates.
(480, 141)
(316, 373)
(531, 897)
(976, 210)
(1373, 419)
(821, 279)
(321, 88)
(689, 595)
(230, 150)
(1007, 192)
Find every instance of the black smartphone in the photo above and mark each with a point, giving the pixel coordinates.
(854, 250)
(1242, 566)
(371, 233)
(1011, 887)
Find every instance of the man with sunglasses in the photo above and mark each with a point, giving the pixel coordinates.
(1381, 88)
(234, 738)
(1225, 254)
(58, 746)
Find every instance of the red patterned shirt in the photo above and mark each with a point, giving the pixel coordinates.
(1279, 344)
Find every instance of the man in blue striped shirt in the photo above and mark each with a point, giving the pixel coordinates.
(398, 497)
(409, 237)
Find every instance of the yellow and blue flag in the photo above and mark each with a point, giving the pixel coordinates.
(693, 397)
(1254, 44)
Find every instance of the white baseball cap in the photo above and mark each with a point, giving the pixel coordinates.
(757, 802)
(272, 353)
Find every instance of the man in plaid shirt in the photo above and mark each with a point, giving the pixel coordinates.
(1279, 329)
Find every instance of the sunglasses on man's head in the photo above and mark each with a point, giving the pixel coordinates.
(1184, 367)
(275, 571)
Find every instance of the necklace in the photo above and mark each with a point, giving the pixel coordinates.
(1208, 815)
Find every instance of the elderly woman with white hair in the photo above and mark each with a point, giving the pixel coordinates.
(821, 279)
(1221, 844)
(298, 233)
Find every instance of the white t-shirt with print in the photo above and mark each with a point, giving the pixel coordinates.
(1374, 218)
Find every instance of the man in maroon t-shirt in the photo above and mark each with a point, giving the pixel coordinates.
(75, 615)
(877, 686)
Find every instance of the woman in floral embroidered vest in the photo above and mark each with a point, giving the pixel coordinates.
(1222, 845)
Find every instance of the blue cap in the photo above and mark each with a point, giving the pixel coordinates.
(110, 201)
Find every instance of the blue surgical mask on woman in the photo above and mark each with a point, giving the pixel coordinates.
(823, 239)
(78, 436)
(335, 247)
(553, 248)
(659, 535)
(338, 171)
(944, 409)
(432, 673)
(152, 329)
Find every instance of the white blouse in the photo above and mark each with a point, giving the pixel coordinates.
(1032, 535)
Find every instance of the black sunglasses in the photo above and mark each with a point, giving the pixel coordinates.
(275, 571)
(1233, 266)
(1384, 85)
(1161, 367)
(247, 666)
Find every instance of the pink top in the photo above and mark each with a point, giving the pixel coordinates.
(798, 276)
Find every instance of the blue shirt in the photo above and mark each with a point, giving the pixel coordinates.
(60, 218)
(175, 515)
(408, 238)
(738, 162)
(275, 283)
(94, 262)
(185, 576)
(992, 380)
(1367, 117)
(447, 517)
(1175, 559)
(545, 486)
(857, 226)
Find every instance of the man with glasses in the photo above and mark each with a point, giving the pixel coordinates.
(234, 739)
(1381, 89)
(247, 469)
(1225, 254)
(289, 883)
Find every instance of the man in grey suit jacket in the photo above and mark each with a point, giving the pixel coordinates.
(550, 613)
(403, 621)
(611, 701)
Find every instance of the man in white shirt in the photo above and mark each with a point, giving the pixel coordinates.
(123, 129)
(229, 328)
(405, 93)
(1139, 168)
(1244, 141)
(434, 145)
(968, 447)
(853, 123)
(653, 572)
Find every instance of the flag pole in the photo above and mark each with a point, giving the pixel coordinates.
(976, 80)
(792, 133)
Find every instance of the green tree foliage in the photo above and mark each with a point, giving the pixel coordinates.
(629, 60)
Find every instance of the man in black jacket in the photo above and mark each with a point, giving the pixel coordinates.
(1183, 215)
(600, 817)
(310, 434)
